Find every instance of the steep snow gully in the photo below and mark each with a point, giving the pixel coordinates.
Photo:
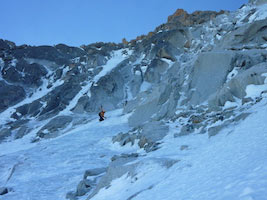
(186, 113)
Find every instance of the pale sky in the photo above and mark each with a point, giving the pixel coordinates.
(77, 22)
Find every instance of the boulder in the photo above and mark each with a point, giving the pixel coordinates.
(71, 196)
(125, 138)
(82, 188)
(3, 190)
(31, 109)
(148, 136)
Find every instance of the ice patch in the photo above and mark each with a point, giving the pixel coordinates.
(229, 104)
(145, 86)
(218, 37)
(143, 68)
(167, 61)
(254, 91)
(14, 62)
(138, 73)
(232, 74)
(1, 62)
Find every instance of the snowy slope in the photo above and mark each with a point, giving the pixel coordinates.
(49, 169)
(191, 123)
(232, 165)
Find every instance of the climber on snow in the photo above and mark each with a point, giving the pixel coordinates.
(101, 115)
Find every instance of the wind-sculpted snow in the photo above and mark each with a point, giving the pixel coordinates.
(186, 107)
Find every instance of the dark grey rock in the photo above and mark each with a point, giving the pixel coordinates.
(24, 73)
(52, 128)
(17, 124)
(3, 45)
(3, 190)
(71, 196)
(246, 100)
(196, 119)
(59, 98)
(4, 133)
(241, 116)
(167, 51)
(155, 71)
(73, 52)
(186, 130)
(31, 109)
(82, 104)
(21, 132)
(142, 142)
(212, 131)
(125, 138)
(147, 136)
(82, 188)
(42, 52)
(109, 91)
(10, 95)
(124, 155)
(184, 147)
(6, 45)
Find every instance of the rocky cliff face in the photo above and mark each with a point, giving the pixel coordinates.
(194, 70)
